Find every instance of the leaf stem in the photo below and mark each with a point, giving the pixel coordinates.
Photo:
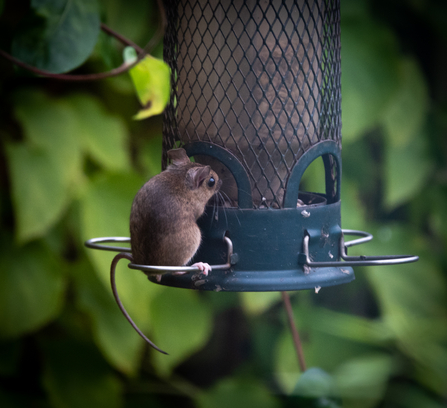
(294, 330)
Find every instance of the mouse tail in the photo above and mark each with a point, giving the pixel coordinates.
(118, 300)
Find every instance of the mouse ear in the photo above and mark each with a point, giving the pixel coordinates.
(196, 175)
(178, 157)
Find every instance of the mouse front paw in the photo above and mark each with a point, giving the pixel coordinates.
(204, 267)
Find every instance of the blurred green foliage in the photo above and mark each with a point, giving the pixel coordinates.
(72, 159)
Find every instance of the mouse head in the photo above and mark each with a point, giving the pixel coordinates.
(199, 179)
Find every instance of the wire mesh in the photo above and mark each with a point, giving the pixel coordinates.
(259, 78)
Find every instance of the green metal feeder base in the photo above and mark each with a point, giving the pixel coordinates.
(249, 281)
(268, 249)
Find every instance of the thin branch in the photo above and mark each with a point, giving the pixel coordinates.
(67, 77)
(293, 329)
(161, 28)
(114, 72)
(123, 40)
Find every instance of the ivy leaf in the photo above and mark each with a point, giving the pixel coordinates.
(112, 333)
(365, 377)
(406, 114)
(102, 135)
(182, 323)
(412, 303)
(407, 168)
(259, 302)
(130, 21)
(32, 289)
(58, 35)
(105, 210)
(238, 392)
(315, 383)
(51, 125)
(370, 75)
(46, 167)
(316, 388)
(152, 82)
(38, 190)
(337, 349)
(149, 155)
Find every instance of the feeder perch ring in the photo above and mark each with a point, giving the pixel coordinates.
(97, 243)
(354, 260)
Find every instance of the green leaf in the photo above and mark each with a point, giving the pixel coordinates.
(181, 323)
(238, 393)
(114, 336)
(130, 55)
(412, 302)
(259, 302)
(407, 168)
(359, 164)
(354, 9)
(45, 168)
(51, 125)
(327, 348)
(105, 210)
(32, 289)
(75, 376)
(370, 75)
(102, 135)
(58, 35)
(352, 211)
(152, 81)
(149, 155)
(131, 19)
(407, 112)
(365, 377)
(350, 327)
(38, 190)
(315, 383)
(314, 177)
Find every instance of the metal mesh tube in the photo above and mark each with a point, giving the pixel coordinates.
(259, 78)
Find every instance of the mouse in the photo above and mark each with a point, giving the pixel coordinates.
(164, 213)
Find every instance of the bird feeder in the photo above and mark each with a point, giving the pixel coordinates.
(256, 95)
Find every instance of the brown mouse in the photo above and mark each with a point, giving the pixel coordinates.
(163, 227)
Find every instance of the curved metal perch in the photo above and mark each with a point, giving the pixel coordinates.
(115, 261)
(354, 260)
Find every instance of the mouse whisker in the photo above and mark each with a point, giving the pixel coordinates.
(228, 199)
(223, 208)
(214, 215)
(216, 210)
(230, 203)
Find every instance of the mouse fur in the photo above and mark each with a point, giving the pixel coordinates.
(163, 219)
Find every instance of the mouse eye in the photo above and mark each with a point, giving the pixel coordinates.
(211, 182)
